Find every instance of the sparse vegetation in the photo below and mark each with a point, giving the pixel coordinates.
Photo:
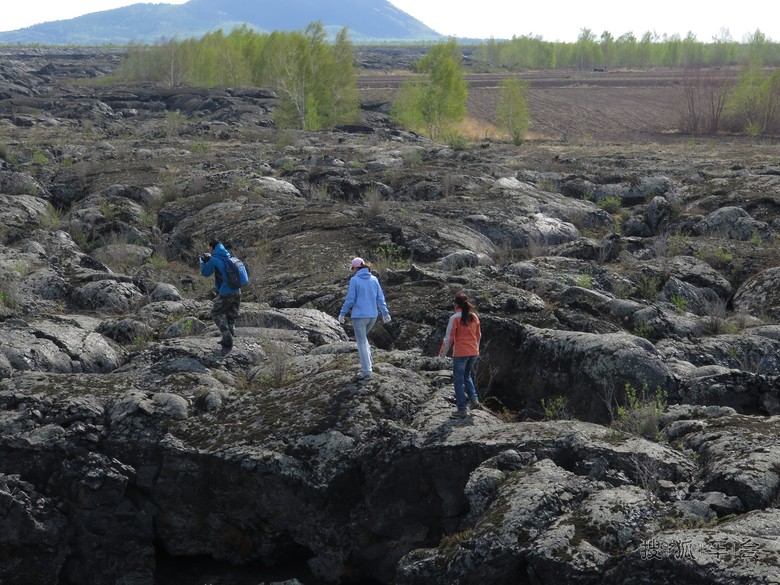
(555, 408)
(315, 80)
(435, 102)
(512, 109)
(640, 412)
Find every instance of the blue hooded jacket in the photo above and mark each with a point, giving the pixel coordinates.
(217, 262)
(364, 296)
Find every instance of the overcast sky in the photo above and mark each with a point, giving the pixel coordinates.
(560, 20)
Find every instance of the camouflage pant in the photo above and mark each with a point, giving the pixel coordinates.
(224, 311)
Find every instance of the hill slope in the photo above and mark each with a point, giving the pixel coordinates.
(366, 20)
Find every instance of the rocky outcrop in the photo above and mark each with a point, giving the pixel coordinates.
(628, 373)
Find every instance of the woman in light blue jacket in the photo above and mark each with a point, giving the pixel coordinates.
(366, 299)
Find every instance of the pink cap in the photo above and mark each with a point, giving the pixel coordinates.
(357, 263)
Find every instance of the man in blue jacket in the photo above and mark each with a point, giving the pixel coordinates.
(224, 309)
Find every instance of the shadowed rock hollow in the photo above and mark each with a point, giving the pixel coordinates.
(133, 450)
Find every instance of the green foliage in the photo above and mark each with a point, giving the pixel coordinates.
(315, 81)
(157, 261)
(173, 123)
(753, 106)
(648, 286)
(436, 102)
(456, 140)
(680, 304)
(715, 256)
(555, 408)
(512, 109)
(641, 412)
(390, 256)
(584, 280)
(610, 204)
(677, 244)
(643, 330)
(53, 218)
(607, 51)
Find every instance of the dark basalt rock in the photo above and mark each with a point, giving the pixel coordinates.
(131, 447)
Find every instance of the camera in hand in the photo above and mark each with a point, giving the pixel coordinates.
(204, 257)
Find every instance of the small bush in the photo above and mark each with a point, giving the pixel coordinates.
(716, 257)
(375, 203)
(641, 412)
(555, 408)
(584, 280)
(648, 286)
(390, 256)
(610, 204)
(680, 304)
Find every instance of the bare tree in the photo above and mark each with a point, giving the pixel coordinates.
(705, 93)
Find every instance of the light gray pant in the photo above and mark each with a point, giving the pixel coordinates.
(362, 327)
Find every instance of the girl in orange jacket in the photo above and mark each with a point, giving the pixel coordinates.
(463, 335)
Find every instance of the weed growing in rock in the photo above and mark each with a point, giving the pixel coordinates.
(715, 316)
(715, 256)
(537, 247)
(671, 244)
(641, 412)
(200, 146)
(584, 280)
(450, 541)
(40, 158)
(648, 286)
(390, 256)
(647, 472)
(375, 203)
(53, 218)
(610, 204)
(141, 342)
(278, 367)
(555, 408)
(643, 330)
(680, 304)
(173, 123)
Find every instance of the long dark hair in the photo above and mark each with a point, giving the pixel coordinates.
(466, 307)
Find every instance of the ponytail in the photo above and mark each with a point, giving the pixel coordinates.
(466, 307)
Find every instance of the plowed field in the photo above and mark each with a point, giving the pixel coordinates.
(576, 106)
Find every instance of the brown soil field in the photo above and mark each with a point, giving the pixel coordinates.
(574, 106)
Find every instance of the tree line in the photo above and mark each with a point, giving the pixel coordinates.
(316, 81)
(626, 51)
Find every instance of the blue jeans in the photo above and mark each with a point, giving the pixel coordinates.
(362, 327)
(463, 379)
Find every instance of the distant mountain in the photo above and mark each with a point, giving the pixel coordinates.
(367, 20)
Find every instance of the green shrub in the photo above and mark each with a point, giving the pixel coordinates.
(648, 286)
(584, 280)
(512, 109)
(641, 412)
(390, 256)
(680, 304)
(610, 204)
(555, 408)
